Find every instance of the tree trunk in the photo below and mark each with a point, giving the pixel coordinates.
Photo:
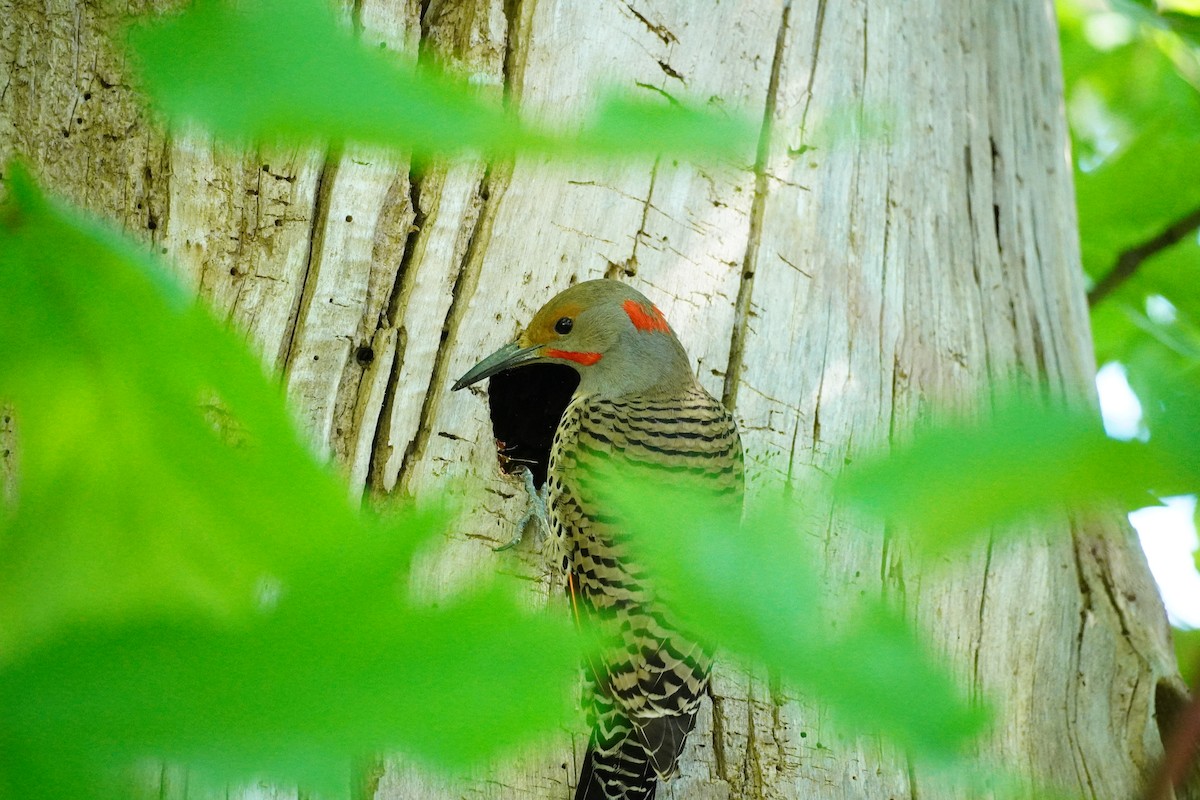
(907, 235)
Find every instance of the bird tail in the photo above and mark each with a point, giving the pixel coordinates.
(622, 772)
(625, 761)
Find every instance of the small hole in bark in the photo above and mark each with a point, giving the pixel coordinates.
(87, 95)
(364, 355)
(79, 120)
(233, 271)
(278, 223)
(349, 218)
(152, 223)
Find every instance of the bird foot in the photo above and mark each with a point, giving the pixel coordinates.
(535, 512)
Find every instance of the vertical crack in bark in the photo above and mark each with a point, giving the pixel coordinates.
(519, 14)
(898, 375)
(983, 590)
(812, 74)
(157, 191)
(392, 311)
(778, 726)
(751, 768)
(1040, 341)
(741, 320)
(491, 189)
(884, 554)
(641, 231)
(628, 267)
(718, 734)
(976, 256)
(1110, 591)
(321, 200)
(1072, 701)
(788, 485)
(912, 778)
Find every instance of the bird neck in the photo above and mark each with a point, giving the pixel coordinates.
(654, 364)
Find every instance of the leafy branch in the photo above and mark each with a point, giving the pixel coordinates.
(1132, 259)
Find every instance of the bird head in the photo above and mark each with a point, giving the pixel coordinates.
(608, 332)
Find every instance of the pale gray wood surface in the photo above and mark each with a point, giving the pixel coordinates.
(906, 235)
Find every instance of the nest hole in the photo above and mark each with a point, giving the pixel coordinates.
(526, 404)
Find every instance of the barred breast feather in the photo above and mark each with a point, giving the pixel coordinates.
(649, 677)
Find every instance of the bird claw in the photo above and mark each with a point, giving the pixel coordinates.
(536, 511)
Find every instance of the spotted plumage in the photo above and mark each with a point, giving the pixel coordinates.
(638, 410)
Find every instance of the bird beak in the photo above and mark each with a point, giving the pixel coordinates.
(511, 355)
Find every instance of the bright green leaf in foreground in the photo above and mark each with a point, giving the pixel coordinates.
(268, 69)
(179, 577)
(150, 442)
(294, 695)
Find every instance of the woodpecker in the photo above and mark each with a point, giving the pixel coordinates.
(638, 406)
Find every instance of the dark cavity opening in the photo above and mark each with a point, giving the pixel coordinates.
(1178, 718)
(526, 404)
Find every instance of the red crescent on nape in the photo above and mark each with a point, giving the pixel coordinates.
(586, 359)
(646, 320)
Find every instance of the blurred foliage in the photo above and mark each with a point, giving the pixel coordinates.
(181, 583)
(1133, 100)
(758, 595)
(285, 69)
(1132, 75)
(1027, 462)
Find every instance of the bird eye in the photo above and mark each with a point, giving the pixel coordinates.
(564, 325)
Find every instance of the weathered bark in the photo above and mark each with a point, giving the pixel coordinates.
(907, 235)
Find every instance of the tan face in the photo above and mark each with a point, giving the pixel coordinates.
(576, 327)
(549, 326)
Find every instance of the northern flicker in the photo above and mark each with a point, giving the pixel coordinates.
(638, 406)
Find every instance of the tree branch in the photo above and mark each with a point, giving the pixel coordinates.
(1129, 260)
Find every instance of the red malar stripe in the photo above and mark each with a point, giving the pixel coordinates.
(587, 359)
(647, 320)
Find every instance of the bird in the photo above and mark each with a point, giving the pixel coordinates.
(638, 406)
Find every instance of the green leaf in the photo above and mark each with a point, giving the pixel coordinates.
(180, 578)
(286, 70)
(1137, 194)
(960, 480)
(150, 443)
(295, 694)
